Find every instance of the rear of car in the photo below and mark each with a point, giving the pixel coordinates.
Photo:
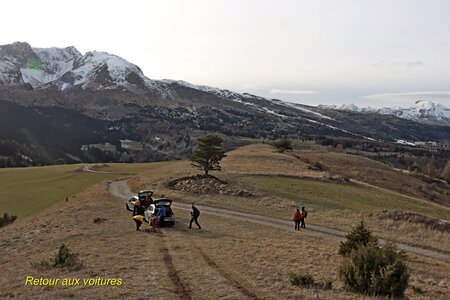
(157, 204)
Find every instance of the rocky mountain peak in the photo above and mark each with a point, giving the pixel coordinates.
(66, 68)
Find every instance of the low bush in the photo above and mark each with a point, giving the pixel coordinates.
(7, 219)
(301, 279)
(283, 145)
(358, 236)
(307, 280)
(370, 269)
(64, 258)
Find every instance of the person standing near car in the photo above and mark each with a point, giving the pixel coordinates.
(147, 202)
(138, 209)
(297, 218)
(138, 214)
(195, 214)
(304, 214)
(162, 212)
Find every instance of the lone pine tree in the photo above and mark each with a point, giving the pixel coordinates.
(208, 154)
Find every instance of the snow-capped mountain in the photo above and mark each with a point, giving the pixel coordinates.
(110, 91)
(423, 111)
(66, 68)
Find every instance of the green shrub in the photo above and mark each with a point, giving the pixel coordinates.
(370, 269)
(301, 279)
(7, 219)
(65, 258)
(307, 280)
(358, 236)
(283, 144)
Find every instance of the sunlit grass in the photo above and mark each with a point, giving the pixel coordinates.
(326, 196)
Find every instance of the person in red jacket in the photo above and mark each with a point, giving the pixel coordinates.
(297, 219)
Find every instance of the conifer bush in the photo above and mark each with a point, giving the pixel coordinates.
(65, 257)
(370, 269)
(7, 219)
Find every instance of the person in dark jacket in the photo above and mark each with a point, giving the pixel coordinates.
(297, 219)
(138, 208)
(304, 215)
(195, 214)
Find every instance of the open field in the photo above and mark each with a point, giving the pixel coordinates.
(228, 258)
(363, 169)
(283, 183)
(24, 191)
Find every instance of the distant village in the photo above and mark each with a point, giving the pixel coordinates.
(430, 144)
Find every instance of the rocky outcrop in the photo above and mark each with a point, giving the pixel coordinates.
(430, 223)
(207, 185)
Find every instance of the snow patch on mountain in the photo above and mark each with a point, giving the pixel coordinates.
(299, 107)
(423, 111)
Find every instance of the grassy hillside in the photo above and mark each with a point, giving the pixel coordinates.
(282, 182)
(228, 258)
(369, 171)
(24, 191)
(324, 196)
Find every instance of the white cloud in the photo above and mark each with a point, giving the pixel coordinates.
(292, 92)
(399, 64)
(408, 98)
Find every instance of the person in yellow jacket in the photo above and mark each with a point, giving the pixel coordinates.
(138, 214)
(139, 220)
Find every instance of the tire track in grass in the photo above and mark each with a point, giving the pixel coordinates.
(227, 276)
(181, 289)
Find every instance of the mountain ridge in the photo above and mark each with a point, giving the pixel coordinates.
(163, 117)
(423, 111)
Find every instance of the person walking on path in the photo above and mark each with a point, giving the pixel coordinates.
(195, 214)
(297, 218)
(304, 215)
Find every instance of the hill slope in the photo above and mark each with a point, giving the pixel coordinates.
(232, 257)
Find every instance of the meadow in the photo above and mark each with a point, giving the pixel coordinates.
(228, 258)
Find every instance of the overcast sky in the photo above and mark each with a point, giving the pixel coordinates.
(377, 53)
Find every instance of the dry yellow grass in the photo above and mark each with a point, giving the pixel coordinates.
(372, 172)
(228, 259)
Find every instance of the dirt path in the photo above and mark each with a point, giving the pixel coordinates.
(121, 189)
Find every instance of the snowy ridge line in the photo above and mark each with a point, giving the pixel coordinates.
(423, 111)
(238, 98)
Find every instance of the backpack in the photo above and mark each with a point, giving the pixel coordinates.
(305, 214)
(196, 212)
